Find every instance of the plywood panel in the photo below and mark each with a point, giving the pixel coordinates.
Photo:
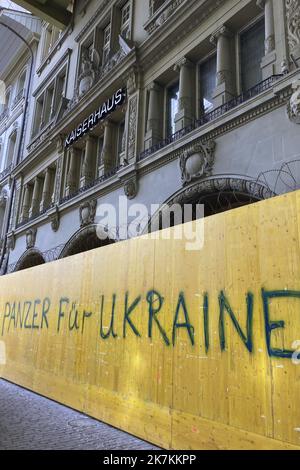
(187, 349)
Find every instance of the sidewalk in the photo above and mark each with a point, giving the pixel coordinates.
(28, 421)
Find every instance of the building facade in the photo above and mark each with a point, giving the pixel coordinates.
(20, 34)
(158, 102)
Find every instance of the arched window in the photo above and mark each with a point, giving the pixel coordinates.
(3, 201)
(21, 86)
(84, 240)
(214, 195)
(30, 258)
(11, 149)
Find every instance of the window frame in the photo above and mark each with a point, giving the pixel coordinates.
(169, 86)
(200, 62)
(130, 18)
(238, 49)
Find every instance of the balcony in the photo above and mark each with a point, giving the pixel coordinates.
(162, 14)
(212, 115)
(100, 179)
(34, 217)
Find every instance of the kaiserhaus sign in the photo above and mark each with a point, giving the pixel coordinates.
(100, 114)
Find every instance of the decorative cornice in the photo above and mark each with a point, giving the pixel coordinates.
(158, 45)
(222, 31)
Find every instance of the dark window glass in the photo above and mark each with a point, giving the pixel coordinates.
(173, 101)
(252, 52)
(208, 72)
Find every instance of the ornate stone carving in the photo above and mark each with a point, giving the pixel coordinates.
(60, 143)
(54, 218)
(269, 44)
(3, 197)
(285, 67)
(31, 237)
(131, 188)
(89, 66)
(87, 212)
(11, 241)
(293, 23)
(224, 76)
(163, 16)
(132, 83)
(222, 31)
(197, 161)
(294, 103)
(58, 175)
(132, 123)
(219, 184)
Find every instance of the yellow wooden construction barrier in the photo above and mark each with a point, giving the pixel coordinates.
(186, 349)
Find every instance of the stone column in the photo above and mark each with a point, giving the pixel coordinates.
(46, 194)
(154, 123)
(107, 155)
(184, 117)
(225, 87)
(267, 6)
(35, 203)
(88, 165)
(26, 203)
(72, 176)
(268, 62)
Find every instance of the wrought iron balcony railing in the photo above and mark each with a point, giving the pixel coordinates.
(93, 183)
(212, 115)
(33, 217)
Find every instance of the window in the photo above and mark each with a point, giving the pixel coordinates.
(21, 86)
(7, 99)
(11, 149)
(172, 107)
(155, 5)
(51, 35)
(59, 92)
(207, 71)
(48, 107)
(252, 44)
(126, 20)
(100, 146)
(106, 43)
(47, 104)
(121, 138)
(38, 114)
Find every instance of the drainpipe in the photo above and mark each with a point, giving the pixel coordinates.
(22, 132)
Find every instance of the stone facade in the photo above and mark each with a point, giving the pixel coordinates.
(161, 145)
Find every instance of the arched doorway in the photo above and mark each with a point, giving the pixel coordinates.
(29, 259)
(219, 193)
(85, 239)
